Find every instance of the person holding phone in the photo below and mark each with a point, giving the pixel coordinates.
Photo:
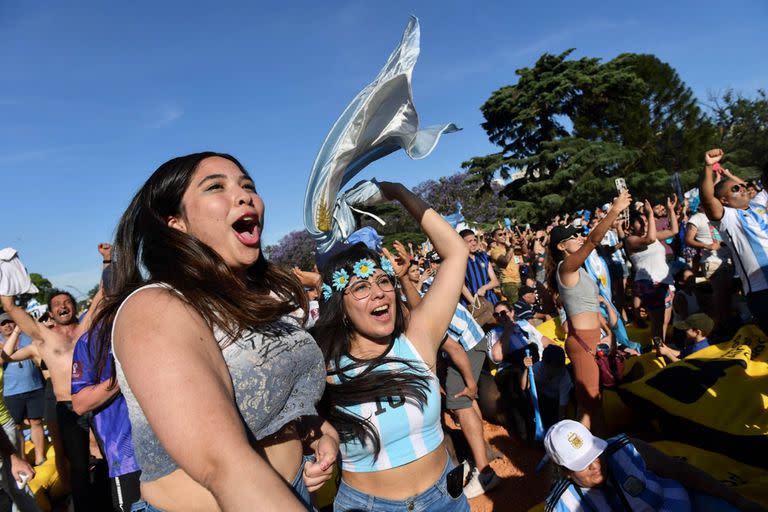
(580, 298)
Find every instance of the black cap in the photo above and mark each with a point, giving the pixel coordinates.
(525, 289)
(560, 233)
(698, 321)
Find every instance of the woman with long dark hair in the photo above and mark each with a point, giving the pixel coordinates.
(652, 276)
(208, 348)
(382, 394)
(568, 250)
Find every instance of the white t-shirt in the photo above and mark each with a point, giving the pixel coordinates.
(704, 235)
(752, 266)
(651, 264)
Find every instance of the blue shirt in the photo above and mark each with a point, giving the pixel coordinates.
(22, 376)
(477, 276)
(110, 421)
(695, 347)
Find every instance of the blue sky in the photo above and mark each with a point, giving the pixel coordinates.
(95, 95)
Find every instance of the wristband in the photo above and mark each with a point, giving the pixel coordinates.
(107, 261)
(716, 167)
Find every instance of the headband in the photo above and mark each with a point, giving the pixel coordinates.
(363, 269)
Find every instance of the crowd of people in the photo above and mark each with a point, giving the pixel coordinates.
(212, 379)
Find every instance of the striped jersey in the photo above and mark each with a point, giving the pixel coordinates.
(465, 329)
(643, 491)
(407, 431)
(746, 231)
(477, 276)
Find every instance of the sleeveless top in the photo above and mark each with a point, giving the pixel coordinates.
(406, 432)
(581, 297)
(278, 375)
(642, 489)
(651, 264)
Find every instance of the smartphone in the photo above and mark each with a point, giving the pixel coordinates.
(621, 187)
(455, 481)
(657, 341)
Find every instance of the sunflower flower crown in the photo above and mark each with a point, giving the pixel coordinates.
(363, 268)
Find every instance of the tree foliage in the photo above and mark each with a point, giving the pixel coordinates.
(296, 249)
(742, 125)
(573, 126)
(44, 287)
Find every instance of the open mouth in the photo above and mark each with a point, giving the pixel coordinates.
(247, 229)
(382, 312)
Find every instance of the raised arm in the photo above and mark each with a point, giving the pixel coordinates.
(28, 325)
(430, 319)
(712, 205)
(10, 352)
(637, 243)
(674, 228)
(573, 261)
(173, 363)
(402, 263)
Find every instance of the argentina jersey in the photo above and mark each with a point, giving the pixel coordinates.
(406, 432)
(465, 329)
(747, 233)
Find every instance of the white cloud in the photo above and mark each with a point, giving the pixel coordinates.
(166, 115)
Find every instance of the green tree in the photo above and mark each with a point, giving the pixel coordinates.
(742, 125)
(572, 126)
(44, 287)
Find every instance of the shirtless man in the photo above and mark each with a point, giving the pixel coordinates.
(55, 346)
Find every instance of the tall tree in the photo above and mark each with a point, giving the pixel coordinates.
(572, 126)
(296, 249)
(742, 125)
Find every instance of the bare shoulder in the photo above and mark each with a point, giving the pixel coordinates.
(157, 313)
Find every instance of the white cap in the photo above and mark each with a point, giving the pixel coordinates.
(572, 445)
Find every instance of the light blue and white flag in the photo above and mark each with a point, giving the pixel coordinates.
(380, 120)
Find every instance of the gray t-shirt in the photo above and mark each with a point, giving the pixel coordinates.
(278, 375)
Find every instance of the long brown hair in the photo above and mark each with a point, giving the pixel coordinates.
(553, 258)
(147, 250)
(357, 382)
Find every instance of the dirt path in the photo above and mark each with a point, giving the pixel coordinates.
(521, 488)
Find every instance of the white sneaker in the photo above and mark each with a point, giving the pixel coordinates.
(473, 488)
(479, 484)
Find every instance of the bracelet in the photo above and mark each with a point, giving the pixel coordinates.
(107, 261)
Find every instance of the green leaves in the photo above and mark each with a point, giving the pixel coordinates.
(570, 127)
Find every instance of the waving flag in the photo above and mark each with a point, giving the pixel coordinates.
(380, 120)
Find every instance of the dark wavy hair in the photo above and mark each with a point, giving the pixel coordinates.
(55, 293)
(360, 381)
(147, 250)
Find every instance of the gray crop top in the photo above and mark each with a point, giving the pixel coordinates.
(580, 298)
(278, 375)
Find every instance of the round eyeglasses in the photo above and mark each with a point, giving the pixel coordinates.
(362, 289)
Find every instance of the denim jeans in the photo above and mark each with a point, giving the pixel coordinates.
(299, 490)
(434, 499)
